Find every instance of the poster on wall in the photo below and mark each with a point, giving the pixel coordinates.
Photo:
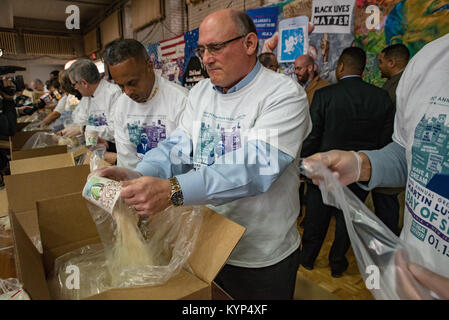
(332, 16)
(265, 20)
(293, 38)
(414, 23)
(194, 70)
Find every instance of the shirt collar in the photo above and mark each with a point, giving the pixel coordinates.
(351, 76)
(242, 83)
(98, 89)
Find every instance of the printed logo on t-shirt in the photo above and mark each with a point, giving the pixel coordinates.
(146, 136)
(97, 120)
(217, 136)
(427, 194)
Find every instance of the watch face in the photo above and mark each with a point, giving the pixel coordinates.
(176, 198)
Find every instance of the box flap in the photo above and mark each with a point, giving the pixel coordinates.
(39, 152)
(24, 189)
(28, 221)
(3, 203)
(65, 224)
(180, 286)
(217, 238)
(20, 138)
(42, 163)
(28, 261)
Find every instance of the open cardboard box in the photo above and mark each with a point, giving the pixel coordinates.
(20, 138)
(65, 224)
(39, 152)
(42, 163)
(23, 190)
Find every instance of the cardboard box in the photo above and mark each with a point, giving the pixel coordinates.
(3, 203)
(66, 224)
(39, 152)
(42, 163)
(20, 138)
(23, 190)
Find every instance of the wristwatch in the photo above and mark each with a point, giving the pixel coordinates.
(176, 198)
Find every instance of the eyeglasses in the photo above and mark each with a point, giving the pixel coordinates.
(214, 48)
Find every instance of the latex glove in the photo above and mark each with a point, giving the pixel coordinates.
(116, 173)
(72, 131)
(345, 165)
(147, 195)
(431, 280)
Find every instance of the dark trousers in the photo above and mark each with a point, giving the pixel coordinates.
(316, 225)
(276, 282)
(386, 208)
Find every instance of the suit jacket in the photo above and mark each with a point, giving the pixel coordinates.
(314, 85)
(349, 115)
(390, 85)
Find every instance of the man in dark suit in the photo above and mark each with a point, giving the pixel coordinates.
(349, 115)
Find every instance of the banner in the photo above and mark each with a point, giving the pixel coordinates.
(265, 20)
(194, 70)
(332, 16)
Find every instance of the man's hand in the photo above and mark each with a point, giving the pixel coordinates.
(147, 195)
(72, 131)
(347, 166)
(430, 280)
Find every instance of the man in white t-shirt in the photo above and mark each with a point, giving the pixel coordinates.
(418, 159)
(151, 107)
(96, 109)
(241, 132)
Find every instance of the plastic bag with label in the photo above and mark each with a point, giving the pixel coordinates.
(135, 251)
(381, 256)
(11, 289)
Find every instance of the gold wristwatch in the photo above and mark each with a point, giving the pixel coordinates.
(176, 198)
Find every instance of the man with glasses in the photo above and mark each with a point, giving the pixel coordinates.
(96, 109)
(241, 132)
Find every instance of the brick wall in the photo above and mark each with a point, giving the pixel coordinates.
(197, 12)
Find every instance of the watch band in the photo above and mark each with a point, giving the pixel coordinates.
(176, 197)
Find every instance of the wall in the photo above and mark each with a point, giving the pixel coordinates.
(174, 24)
(197, 12)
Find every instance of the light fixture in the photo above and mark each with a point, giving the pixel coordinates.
(1, 52)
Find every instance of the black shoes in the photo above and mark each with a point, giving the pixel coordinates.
(339, 273)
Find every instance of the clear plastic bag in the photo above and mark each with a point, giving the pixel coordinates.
(381, 256)
(134, 251)
(48, 139)
(35, 125)
(11, 289)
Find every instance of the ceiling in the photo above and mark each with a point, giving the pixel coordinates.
(50, 15)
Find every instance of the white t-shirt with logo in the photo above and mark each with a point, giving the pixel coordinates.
(272, 108)
(139, 127)
(97, 112)
(422, 128)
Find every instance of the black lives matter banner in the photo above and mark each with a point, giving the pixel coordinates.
(332, 16)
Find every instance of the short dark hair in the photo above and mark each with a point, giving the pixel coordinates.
(398, 52)
(55, 73)
(354, 58)
(267, 59)
(123, 49)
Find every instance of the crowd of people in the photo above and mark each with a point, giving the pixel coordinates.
(234, 140)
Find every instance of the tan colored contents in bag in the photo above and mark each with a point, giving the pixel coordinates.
(130, 250)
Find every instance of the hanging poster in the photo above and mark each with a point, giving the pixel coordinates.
(293, 38)
(194, 70)
(332, 16)
(265, 20)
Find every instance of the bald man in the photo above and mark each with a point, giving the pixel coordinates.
(307, 76)
(241, 132)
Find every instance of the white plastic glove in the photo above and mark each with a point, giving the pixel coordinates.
(72, 131)
(346, 165)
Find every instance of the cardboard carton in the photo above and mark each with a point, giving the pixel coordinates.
(39, 152)
(65, 224)
(3, 203)
(42, 163)
(23, 190)
(20, 138)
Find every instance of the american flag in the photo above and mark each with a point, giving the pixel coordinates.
(172, 49)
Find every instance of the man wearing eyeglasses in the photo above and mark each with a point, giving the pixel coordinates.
(241, 132)
(96, 109)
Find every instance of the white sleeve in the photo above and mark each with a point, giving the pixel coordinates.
(80, 115)
(60, 107)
